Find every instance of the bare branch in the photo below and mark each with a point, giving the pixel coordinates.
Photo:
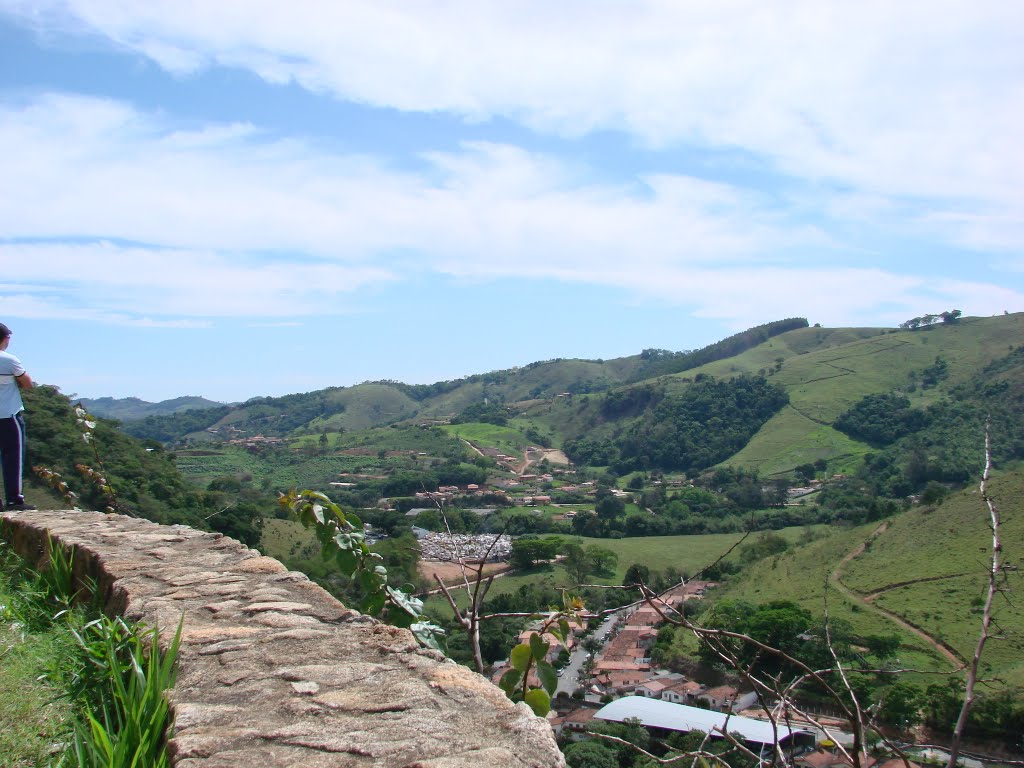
(994, 587)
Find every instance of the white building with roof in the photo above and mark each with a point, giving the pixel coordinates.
(664, 716)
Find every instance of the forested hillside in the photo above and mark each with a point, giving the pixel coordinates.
(144, 477)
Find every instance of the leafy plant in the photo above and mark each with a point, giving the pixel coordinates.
(531, 658)
(117, 678)
(342, 539)
(122, 683)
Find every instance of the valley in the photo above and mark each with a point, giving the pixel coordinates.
(831, 469)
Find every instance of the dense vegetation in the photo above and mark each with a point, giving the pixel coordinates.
(77, 688)
(168, 428)
(943, 442)
(703, 425)
(134, 408)
(144, 477)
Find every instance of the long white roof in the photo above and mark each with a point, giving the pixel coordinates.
(656, 713)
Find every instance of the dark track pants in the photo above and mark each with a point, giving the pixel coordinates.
(12, 455)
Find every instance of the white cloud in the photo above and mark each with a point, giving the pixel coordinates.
(193, 202)
(170, 288)
(117, 213)
(920, 99)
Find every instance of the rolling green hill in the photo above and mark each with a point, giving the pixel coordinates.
(824, 372)
(769, 400)
(926, 566)
(823, 382)
(785, 395)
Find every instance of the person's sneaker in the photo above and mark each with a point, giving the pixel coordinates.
(19, 506)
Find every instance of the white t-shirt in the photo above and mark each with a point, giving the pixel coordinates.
(10, 392)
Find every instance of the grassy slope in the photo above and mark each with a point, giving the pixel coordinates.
(918, 544)
(951, 539)
(824, 381)
(542, 380)
(287, 538)
(366, 406)
(34, 717)
(802, 576)
(506, 439)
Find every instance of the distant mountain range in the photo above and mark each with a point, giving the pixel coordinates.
(613, 412)
(133, 408)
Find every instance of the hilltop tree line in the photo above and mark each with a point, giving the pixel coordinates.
(661, 362)
(948, 317)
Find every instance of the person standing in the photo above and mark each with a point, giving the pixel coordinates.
(13, 379)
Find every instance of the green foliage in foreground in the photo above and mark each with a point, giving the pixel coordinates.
(530, 658)
(122, 684)
(59, 665)
(36, 720)
(342, 539)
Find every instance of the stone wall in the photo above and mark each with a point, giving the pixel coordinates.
(273, 671)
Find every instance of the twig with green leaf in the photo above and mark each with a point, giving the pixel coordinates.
(342, 539)
(531, 658)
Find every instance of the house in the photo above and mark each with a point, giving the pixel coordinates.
(620, 681)
(683, 692)
(653, 689)
(575, 723)
(726, 698)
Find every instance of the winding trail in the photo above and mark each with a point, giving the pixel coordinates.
(867, 600)
(870, 596)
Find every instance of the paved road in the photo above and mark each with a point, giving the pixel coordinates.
(569, 680)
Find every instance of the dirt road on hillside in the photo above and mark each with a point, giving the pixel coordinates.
(531, 457)
(867, 601)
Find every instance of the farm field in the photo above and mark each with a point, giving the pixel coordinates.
(278, 469)
(301, 463)
(688, 554)
(506, 439)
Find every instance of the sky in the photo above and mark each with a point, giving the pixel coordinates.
(256, 197)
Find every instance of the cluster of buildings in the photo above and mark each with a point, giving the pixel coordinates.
(253, 442)
(624, 686)
(664, 702)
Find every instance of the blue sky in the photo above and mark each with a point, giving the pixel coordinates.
(236, 199)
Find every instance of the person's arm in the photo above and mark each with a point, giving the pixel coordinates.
(24, 381)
